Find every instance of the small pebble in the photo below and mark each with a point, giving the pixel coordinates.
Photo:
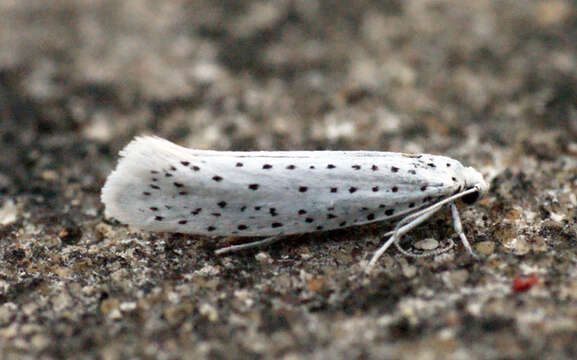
(485, 247)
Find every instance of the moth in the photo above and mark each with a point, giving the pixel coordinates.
(160, 186)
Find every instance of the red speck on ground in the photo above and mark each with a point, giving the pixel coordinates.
(524, 283)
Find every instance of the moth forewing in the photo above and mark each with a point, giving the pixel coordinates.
(160, 186)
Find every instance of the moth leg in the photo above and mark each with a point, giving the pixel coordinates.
(404, 226)
(459, 230)
(250, 245)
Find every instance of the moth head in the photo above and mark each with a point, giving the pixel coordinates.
(474, 180)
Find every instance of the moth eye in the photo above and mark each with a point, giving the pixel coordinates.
(470, 198)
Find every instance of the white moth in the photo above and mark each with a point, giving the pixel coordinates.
(160, 186)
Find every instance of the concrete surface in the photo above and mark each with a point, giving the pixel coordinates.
(490, 83)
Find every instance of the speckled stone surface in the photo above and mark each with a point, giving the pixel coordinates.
(490, 83)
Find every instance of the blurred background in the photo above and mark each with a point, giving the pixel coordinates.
(398, 75)
(492, 83)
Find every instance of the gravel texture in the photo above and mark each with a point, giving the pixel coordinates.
(490, 83)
